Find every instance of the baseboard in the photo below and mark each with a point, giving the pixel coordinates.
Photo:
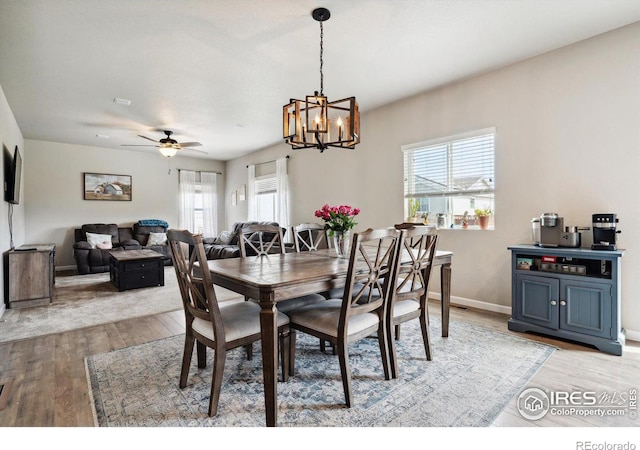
(471, 303)
(63, 268)
(632, 335)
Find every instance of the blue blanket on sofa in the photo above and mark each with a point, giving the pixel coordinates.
(153, 223)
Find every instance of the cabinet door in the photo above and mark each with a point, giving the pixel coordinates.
(537, 300)
(586, 307)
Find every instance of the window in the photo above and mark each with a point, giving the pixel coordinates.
(268, 192)
(447, 179)
(198, 202)
(265, 189)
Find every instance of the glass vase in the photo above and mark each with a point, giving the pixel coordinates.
(341, 241)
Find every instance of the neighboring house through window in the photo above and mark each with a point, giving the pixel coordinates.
(449, 178)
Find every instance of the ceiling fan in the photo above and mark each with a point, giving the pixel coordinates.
(168, 146)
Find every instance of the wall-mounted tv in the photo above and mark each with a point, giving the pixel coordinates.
(12, 171)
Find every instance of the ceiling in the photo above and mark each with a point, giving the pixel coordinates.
(218, 72)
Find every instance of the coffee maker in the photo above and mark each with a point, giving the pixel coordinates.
(604, 231)
(551, 228)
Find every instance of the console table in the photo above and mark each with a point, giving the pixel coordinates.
(31, 275)
(570, 293)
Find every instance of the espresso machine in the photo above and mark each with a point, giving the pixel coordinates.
(604, 231)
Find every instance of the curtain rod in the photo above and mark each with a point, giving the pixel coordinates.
(200, 171)
(267, 162)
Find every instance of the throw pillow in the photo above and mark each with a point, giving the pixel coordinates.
(104, 246)
(94, 239)
(157, 239)
(224, 238)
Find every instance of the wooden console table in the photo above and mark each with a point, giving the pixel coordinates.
(31, 275)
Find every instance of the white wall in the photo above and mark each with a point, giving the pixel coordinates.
(53, 182)
(568, 134)
(10, 136)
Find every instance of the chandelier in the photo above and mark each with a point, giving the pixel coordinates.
(316, 122)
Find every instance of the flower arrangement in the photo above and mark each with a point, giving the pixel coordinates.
(337, 218)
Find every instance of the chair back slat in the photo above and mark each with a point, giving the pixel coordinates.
(261, 240)
(309, 237)
(372, 264)
(194, 279)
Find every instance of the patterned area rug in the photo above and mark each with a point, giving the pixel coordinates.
(85, 300)
(474, 374)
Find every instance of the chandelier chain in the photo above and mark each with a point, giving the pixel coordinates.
(321, 60)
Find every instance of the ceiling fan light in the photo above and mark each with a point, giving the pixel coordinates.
(168, 151)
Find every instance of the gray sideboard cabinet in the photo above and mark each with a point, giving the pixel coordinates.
(569, 293)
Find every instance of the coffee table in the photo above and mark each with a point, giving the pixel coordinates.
(133, 269)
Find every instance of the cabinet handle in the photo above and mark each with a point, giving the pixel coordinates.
(563, 303)
(553, 302)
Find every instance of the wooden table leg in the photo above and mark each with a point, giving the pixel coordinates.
(269, 331)
(445, 292)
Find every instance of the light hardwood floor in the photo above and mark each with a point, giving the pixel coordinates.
(46, 386)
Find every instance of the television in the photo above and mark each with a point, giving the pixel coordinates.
(12, 171)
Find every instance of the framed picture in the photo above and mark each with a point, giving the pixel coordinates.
(103, 186)
(242, 192)
(234, 198)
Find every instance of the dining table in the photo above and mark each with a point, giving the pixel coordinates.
(273, 278)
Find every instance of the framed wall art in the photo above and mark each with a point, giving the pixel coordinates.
(103, 186)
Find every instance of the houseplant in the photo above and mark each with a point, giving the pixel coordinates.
(338, 222)
(414, 205)
(483, 216)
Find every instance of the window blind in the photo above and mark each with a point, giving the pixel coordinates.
(460, 165)
(266, 184)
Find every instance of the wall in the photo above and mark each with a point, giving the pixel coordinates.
(567, 139)
(10, 136)
(53, 181)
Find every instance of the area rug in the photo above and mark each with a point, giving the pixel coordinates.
(81, 301)
(474, 374)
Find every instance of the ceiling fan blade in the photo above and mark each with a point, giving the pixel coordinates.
(152, 140)
(189, 144)
(137, 145)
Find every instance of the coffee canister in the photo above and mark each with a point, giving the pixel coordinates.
(535, 229)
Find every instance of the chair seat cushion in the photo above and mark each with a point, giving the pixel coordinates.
(286, 306)
(404, 307)
(324, 317)
(240, 320)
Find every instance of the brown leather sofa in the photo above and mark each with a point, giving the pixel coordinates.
(95, 260)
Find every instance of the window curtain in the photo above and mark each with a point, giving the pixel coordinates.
(252, 213)
(187, 199)
(282, 193)
(209, 184)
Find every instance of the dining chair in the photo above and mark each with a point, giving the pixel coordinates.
(208, 324)
(261, 241)
(308, 237)
(410, 297)
(361, 311)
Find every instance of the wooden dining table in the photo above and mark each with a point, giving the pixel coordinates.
(273, 278)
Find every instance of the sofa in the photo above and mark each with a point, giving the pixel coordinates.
(92, 251)
(226, 245)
